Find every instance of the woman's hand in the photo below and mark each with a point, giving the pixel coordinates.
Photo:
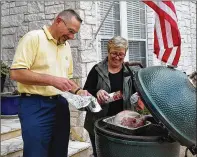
(102, 96)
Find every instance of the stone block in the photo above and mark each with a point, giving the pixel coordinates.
(5, 5)
(74, 114)
(34, 17)
(86, 32)
(73, 122)
(5, 12)
(38, 24)
(54, 9)
(7, 31)
(90, 20)
(8, 41)
(94, 11)
(59, 2)
(21, 31)
(69, 5)
(72, 108)
(82, 46)
(79, 70)
(7, 54)
(18, 10)
(81, 118)
(93, 47)
(83, 81)
(88, 12)
(12, 4)
(20, 3)
(49, 17)
(75, 54)
(88, 56)
(49, 3)
(86, 5)
(79, 134)
(94, 29)
(12, 20)
(74, 43)
(81, 14)
(78, 149)
(35, 7)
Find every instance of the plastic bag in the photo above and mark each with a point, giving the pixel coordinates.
(136, 101)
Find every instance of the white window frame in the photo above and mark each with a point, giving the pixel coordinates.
(124, 29)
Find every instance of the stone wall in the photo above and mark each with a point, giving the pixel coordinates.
(186, 14)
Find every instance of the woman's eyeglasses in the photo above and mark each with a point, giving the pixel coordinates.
(120, 55)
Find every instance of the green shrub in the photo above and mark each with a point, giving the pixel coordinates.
(4, 69)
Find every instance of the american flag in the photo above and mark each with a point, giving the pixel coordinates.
(167, 39)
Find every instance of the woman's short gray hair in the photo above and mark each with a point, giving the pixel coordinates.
(117, 42)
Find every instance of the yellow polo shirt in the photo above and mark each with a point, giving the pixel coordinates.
(37, 51)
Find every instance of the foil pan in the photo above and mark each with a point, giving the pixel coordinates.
(124, 129)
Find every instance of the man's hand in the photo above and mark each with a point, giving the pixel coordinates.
(63, 84)
(83, 92)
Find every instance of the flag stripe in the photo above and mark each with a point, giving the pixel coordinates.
(178, 54)
(164, 32)
(167, 55)
(159, 33)
(176, 35)
(169, 34)
(156, 44)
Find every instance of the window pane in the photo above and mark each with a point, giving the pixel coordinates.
(104, 48)
(111, 25)
(137, 52)
(136, 20)
(136, 31)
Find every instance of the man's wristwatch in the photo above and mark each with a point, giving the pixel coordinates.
(78, 89)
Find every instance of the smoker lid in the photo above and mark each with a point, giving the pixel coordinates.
(171, 99)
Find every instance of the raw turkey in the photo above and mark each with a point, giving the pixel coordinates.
(129, 119)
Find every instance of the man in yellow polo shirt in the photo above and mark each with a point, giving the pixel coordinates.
(42, 67)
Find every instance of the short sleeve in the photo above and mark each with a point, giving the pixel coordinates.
(25, 52)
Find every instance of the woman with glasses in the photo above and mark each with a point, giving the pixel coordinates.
(106, 77)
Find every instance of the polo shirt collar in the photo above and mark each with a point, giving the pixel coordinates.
(48, 34)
